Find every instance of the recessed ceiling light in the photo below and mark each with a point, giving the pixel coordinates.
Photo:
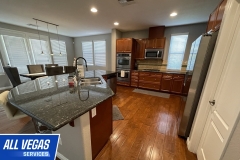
(93, 9)
(116, 23)
(173, 14)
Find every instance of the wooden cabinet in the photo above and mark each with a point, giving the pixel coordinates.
(101, 126)
(216, 16)
(150, 80)
(141, 45)
(177, 83)
(155, 43)
(156, 32)
(134, 78)
(166, 82)
(124, 45)
(187, 85)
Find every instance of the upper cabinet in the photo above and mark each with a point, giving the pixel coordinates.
(141, 44)
(156, 32)
(155, 43)
(216, 16)
(124, 45)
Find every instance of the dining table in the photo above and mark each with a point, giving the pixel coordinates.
(33, 76)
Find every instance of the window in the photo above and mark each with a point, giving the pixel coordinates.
(193, 54)
(176, 51)
(95, 52)
(60, 59)
(1, 67)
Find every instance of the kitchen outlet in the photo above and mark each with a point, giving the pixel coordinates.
(94, 112)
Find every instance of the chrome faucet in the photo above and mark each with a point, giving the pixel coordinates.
(83, 59)
(77, 73)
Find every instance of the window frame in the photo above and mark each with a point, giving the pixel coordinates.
(177, 34)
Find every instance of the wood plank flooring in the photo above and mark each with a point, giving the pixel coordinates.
(149, 129)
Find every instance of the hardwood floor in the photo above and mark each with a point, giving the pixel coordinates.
(149, 128)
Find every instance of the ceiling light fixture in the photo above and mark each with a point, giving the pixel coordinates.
(173, 14)
(116, 23)
(58, 41)
(94, 10)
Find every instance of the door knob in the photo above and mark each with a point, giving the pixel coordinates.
(212, 103)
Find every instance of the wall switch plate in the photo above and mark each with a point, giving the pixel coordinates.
(60, 141)
(94, 112)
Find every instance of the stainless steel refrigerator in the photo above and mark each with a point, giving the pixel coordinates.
(198, 63)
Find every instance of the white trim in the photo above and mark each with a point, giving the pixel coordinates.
(61, 157)
(8, 87)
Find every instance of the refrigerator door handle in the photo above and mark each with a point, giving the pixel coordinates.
(185, 78)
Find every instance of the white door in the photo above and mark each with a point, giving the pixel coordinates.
(226, 109)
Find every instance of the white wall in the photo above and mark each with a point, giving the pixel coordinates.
(136, 34)
(116, 34)
(4, 82)
(78, 48)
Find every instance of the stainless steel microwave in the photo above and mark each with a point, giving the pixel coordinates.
(153, 53)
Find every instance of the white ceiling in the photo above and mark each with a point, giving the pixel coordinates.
(75, 18)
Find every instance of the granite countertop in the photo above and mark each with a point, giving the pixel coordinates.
(49, 101)
(164, 71)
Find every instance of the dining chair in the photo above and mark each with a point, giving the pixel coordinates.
(51, 71)
(69, 69)
(13, 75)
(11, 111)
(35, 68)
(51, 65)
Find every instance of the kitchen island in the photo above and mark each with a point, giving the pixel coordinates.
(82, 117)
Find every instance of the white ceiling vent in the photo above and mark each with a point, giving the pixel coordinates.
(126, 2)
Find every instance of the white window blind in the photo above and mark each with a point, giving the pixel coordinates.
(62, 80)
(87, 49)
(100, 53)
(176, 51)
(60, 59)
(1, 68)
(46, 83)
(17, 53)
(37, 47)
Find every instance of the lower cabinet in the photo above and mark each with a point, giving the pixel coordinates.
(186, 86)
(152, 86)
(166, 83)
(134, 78)
(101, 126)
(177, 83)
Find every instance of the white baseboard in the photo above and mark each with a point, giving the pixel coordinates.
(3, 88)
(60, 156)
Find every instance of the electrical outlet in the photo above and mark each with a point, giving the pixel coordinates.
(94, 112)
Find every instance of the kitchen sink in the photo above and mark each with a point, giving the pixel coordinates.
(91, 81)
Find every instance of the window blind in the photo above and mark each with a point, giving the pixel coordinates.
(62, 80)
(100, 53)
(61, 60)
(46, 83)
(193, 54)
(37, 46)
(87, 49)
(176, 51)
(17, 53)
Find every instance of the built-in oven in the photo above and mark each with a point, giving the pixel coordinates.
(154, 53)
(123, 75)
(124, 60)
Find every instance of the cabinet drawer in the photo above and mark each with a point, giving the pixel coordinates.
(149, 86)
(134, 77)
(167, 75)
(135, 73)
(134, 80)
(178, 76)
(134, 84)
(151, 79)
(144, 74)
(155, 74)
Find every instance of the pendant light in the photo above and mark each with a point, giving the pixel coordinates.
(58, 41)
(39, 37)
(49, 38)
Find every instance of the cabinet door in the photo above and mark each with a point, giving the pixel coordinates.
(119, 45)
(150, 43)
(160, 43)
(177, 84)
(141, 45)
(221, 10)
(187, 85)
(166, 82)
(212, 20)
(127, 45)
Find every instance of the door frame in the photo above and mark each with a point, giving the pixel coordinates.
(224, 41)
